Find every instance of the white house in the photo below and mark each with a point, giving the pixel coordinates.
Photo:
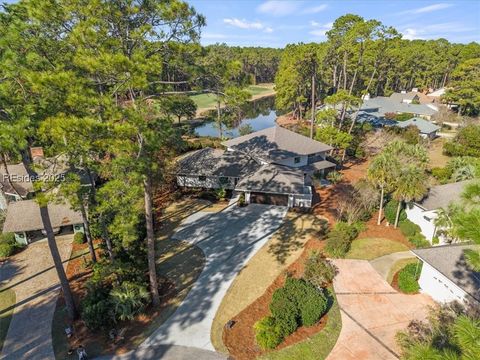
(424, 213)
(446, 276)
(272, 166)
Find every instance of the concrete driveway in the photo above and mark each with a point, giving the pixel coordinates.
(372, 312)
(33, 278)
(228, 239)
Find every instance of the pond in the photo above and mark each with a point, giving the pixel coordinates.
(259, 114)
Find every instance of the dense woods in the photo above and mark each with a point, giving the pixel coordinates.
(364, 56)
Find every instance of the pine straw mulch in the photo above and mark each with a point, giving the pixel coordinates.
(99, 343)
(240, 339)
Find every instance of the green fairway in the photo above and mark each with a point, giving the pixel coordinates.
(205, 101)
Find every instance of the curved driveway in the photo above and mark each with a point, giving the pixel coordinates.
(372, 312)
(228, 238)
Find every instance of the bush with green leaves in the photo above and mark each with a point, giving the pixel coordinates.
(284, 309)
(334, 177)
(408, 278)
(443, 175)
(340, 238)
(418, 240)
(96, 308)
(465, 143)
(128, 300)
(390, 212)
(79, 238)
(268, 333)
(318, 270)
(221, 193)
(241, 200)
(313, 305)
(8, 244)
(409, 228)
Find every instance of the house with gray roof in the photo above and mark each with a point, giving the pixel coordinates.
(381, 105)
(24, 220)
(424, 212)
(273, 165)
(427, 129)
(446, 276)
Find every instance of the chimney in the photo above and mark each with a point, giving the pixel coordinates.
(36, 152)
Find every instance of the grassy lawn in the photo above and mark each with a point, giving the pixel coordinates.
(371, 248)
(282, 249)
(7, 302)
(205, 101)
(318, 346)
(396, 267)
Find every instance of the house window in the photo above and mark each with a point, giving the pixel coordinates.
(202, 178)
(296, 160)
(311, 156)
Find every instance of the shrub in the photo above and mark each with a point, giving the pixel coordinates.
(318, 270)
(268, 333)
(79, 238)
(128, 300)
(443, 175)
(340, 238)
(8, 244)
(97, 308)
(419, 241)
(408, 278)
(334, 177)
(241, 199)
(312, 306)
(220, 194)
(285, 310)
(391, 212)
(409, 228)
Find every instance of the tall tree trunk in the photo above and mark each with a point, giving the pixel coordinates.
(370, 80)
(344, 70)
(67, 293)
(86, 225)
(152, 271)
(397, 216)
(335, 77)
(106, 238)
(313, 107)
(354, 120)
(382, 194)
(219, 119)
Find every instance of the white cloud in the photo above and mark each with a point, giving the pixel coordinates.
(268, 30)
(434, 31)
(320, 29)
(243, 24)
(315, 9)
(427, 9)
(278, 8)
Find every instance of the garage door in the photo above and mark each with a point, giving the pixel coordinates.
(270, 199)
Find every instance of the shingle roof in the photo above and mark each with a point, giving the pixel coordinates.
(216, 162)
(384, 105)
(399, 97)
(25, 216)
(424, 126)
(276, 143)
(441, 196)
(275, 179)
(450, 261)
(19, 178)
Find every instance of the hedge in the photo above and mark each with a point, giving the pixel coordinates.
(391, 212)
(408, 278)
(340, 238)
(409, 228)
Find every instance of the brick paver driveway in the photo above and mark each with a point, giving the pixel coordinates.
(372, 312)
(33, 278)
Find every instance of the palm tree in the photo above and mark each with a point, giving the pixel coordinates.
(467, 333)
(381, 173)
(410, 185)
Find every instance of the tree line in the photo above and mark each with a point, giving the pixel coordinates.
(365, 56)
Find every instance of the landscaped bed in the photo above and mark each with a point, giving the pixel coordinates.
(7, 305)
(179, 264)
(240, 339)
(371, 248)
(406, 280)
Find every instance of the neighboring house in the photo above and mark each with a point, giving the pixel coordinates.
(426, 128)
(424, 213)
(410, 97)
(380, 105)
(446, 275)
(273, 166)
(23, 218)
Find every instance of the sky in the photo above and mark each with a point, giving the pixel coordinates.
(277, 23)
